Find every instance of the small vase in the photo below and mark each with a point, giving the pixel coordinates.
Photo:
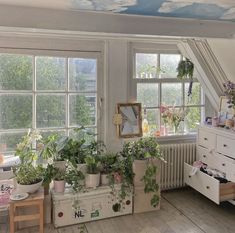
(59, 186)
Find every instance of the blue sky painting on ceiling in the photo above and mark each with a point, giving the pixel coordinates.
(199, 9)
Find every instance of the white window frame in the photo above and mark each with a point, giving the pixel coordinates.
(63, 54)
(134, 81)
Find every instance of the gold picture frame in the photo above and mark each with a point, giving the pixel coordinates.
(131, 125)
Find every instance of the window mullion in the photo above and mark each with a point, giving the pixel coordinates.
(67, 97)
(34, 104)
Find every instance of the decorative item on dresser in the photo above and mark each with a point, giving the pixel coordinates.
(216, 149)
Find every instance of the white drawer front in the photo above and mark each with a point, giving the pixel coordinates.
(222, 162)
(230, 172)
(203, 183)
(204, 155)
(226, 146)
(206, 139)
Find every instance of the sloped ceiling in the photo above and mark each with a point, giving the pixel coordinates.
(196, 9)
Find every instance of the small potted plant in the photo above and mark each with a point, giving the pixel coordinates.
(29, 178)
(92, 179)
(59, 180)
(107, 162)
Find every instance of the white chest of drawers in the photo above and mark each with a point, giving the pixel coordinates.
(216, 148)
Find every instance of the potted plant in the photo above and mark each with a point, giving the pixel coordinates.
(59, 180)
(92, 179)
(29, 178)
(185, 71)
(145, 154)
(107, 162)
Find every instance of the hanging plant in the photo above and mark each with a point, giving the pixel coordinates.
(185, 71)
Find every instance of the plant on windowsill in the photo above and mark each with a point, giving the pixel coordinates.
(185, 70)
(59, 180)
(145, 155)
(29, 175)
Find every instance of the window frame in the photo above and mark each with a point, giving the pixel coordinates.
(99, 124)
(133, 81)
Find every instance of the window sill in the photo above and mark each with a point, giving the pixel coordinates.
(177, 138)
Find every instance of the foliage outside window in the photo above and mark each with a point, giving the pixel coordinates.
(155, 77)
(48, 93)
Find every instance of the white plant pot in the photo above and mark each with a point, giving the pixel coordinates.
(59, 186)
(92, 180)
(60, 165)
(31, 188)
(104, 179)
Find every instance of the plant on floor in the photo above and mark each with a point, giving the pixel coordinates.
(148, 150)
(185, 71)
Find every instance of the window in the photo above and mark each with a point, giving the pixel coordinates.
(156, 84)
(52, 93)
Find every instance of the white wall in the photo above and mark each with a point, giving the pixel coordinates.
(224, 50)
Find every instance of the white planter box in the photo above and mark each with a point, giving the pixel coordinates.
(142, 201)
(139, 168)
(93, 205)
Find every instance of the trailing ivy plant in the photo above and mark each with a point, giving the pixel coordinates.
(185, 70)
(147, 149)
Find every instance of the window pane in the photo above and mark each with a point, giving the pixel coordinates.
(82, 110)
(172, 94)
(8, 141)
(16, 72)
(146, 65)
(89, 134)
(47, 133)
(153, 119)
(169, 64)
(147, 94)
(82, 74)
(50, 73)
(50, 111)
(192, 119)
(15, 111)
(195, 98)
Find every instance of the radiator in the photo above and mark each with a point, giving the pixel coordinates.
(172, 172)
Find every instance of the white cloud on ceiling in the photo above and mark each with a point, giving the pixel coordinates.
(172, 5)
(106, 5)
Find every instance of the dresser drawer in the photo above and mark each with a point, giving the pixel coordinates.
(222, 162)
(204, 155)
(209, 186)
(226, 146)
(206, 139)
(230, 172)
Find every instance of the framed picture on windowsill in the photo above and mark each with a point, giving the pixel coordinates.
(131, 125)
(224, 106)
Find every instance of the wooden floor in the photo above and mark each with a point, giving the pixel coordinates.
(182, 211)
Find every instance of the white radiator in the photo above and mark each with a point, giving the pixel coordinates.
(172, 172)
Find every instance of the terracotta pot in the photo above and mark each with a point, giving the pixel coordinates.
(92, 180)
(104, 179)
(59, 186)
(31, 188)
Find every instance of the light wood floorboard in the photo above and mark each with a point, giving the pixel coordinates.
(182, 211)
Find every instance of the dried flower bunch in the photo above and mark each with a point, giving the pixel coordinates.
(230, 93)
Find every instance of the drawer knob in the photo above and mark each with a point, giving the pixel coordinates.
(223, 164)
(208, 187)
(204, 156)
(189, 176)
(205, 139)
(225, 145)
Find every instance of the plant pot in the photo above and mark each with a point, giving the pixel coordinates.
(31, 188)
(59, 186)
(60, 165)
(104, 179)
(92, 180)
(139, 168)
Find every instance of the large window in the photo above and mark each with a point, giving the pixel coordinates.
(52, 93)
(156, 84)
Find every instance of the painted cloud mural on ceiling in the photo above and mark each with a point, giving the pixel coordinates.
(197, 9)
